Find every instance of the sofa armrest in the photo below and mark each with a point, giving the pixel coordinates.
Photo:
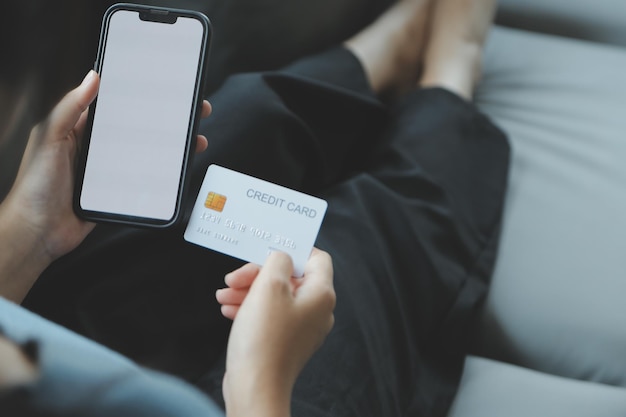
(594, 20)
(556, 303)
(495, 389)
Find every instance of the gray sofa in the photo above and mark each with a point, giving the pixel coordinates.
(552, 340)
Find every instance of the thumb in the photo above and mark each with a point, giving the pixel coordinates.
(275, 275)
(66, 114)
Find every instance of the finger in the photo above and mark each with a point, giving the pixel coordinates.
(317, 285)
(296, 283)
(278, 265)
(230, 312)
(243, 277)
(226, 296)
(275, 275)
(320, 266)
(80, 125)
(278, 261)
(206, 109)
(201, 143)
(66, 114)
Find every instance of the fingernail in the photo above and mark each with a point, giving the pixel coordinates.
(90, 75)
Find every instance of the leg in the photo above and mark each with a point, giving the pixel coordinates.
(410, 281)
(454, 55)
(413, 240)
(413, 259)
(391, 49)
(412, 263)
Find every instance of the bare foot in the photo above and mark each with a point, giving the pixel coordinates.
(391, 48)
(454, 52)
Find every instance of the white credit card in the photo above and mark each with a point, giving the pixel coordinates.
(249, 218)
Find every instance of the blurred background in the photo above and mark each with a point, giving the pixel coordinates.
(47, 47)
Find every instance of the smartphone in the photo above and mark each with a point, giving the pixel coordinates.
(141, 129)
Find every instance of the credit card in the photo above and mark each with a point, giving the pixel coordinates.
(248, 218)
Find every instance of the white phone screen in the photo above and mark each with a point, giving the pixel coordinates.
(142, 116)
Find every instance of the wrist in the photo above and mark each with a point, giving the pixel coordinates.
(23, 256)
(258, 395)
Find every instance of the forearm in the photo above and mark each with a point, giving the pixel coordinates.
(266, 408)
(259, 397)
(22, 256)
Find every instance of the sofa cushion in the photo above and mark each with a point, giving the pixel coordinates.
(556, 302)
(595, 20)
(495, 389)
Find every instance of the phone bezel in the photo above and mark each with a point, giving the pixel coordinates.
(194, 119)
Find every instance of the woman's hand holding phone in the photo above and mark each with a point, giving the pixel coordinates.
(279, 322)
(37, 221)
(40, 201)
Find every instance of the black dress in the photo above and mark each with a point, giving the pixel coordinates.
(415, 192)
